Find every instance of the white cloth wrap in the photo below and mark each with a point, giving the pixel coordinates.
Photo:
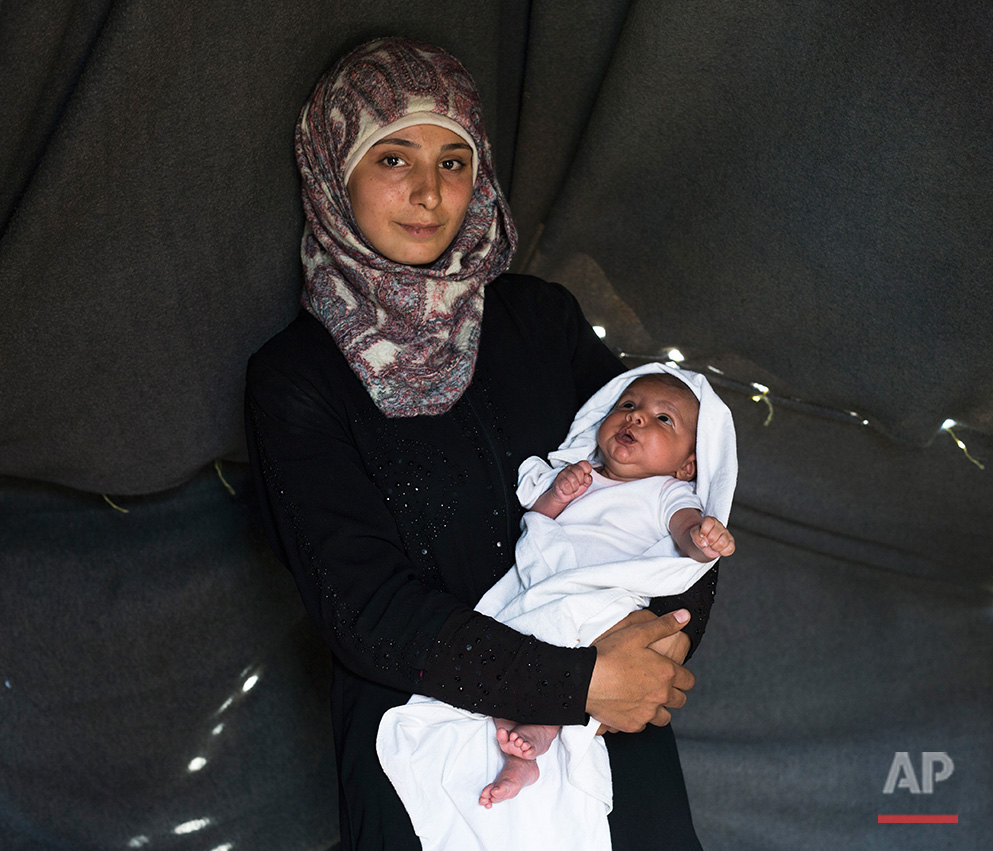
(439, 757)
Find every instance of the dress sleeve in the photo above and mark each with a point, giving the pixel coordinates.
(327, 522)
(697, 600)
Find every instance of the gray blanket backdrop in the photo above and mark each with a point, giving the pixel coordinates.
(797, 195)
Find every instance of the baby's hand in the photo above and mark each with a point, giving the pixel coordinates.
(713, 539)
(573, 481)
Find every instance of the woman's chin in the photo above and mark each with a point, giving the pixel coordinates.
(414, 255)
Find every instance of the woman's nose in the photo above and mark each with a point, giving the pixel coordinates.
(426, 189)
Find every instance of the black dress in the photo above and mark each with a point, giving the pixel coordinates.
(394, 528)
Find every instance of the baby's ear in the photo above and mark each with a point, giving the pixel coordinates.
(687, 473)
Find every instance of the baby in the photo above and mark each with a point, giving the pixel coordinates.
(650, 433)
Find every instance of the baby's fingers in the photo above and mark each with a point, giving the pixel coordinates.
(707, 526)
(583, 474)
(580, 473)
(706, 534)
(713, 538)
(726, 545)
(572, 479)
(721, 541)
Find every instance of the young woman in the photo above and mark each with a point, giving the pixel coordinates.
(386, 424)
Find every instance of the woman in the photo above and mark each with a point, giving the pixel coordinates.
(386, 424)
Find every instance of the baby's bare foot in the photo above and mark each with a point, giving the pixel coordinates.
(517, 745)
(514, 776)
(528, 741)
(512, 744)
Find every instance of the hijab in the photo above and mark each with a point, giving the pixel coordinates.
(410, 333)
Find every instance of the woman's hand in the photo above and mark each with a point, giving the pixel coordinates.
(675, 646)
(634, 685)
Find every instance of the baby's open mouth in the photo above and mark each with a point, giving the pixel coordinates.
(625, 437)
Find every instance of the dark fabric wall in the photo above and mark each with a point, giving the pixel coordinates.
(160, 683)
(806, 186)
(795, 194)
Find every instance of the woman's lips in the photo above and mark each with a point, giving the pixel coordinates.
(417, 231)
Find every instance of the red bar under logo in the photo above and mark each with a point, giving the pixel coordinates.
(943, 819)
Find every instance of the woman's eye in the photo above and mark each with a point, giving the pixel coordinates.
(392, 160)
(452, 165)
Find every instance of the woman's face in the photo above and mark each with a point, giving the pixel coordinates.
(410, 192)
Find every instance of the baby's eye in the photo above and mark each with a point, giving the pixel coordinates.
(627, 405)
(664, 418)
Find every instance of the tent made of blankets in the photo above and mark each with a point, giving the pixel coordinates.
(796, 197)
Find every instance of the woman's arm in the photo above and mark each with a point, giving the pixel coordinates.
(698, 599)
(330, 528)
(328, 523)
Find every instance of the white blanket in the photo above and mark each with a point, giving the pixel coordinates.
(439, 757)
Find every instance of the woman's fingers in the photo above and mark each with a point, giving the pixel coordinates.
(662, 717)
(632, 685)
(664, 625)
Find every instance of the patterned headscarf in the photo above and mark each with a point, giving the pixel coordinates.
(410, 333)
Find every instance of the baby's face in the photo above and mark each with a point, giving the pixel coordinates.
(651, 431)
